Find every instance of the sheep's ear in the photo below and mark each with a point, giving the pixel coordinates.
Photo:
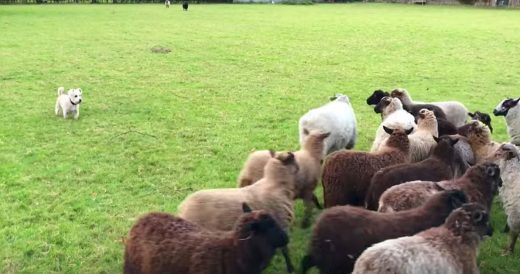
(516, 101)
(457, 198)
(325, 135)
(454, 141)
(408, 131)
(305, 131)
(272, 153)
(289, 159)
(472, 115)
(246, 208)
(332, 98)
(436, 139)
(388, 130)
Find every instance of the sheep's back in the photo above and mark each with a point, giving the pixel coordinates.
(406, 196)
(455, 112)
(253, 169)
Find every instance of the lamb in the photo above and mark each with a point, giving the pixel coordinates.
(445, 127)
(510, 109)
(336, 117)
(480, 183)
(376, 97)
(483, 117)
(448, 249)
(162, 243)
(346, 174)
(421, 141)
(218, 209)
(343, 232)
(508, 159)
(393, 116)
(308, 159)
(438, 166)
(479, 137)
(455, 112)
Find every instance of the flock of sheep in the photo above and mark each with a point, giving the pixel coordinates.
(417, 202)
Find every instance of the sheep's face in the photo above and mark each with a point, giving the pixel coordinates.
(483, 117)
(398, 138)
(425, 114)
(492, 174)
(470, 221)
(399, 93)
(506, 152)
(383, 103)
(376, 97)
(503, 107)
(262, 226)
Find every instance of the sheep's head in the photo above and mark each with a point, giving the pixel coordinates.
(260, 225)
(383, 103)
(426, 115)
(398, 138)
(470, 221)
(340, 98)
(476, 131)
(491, 173)
(398, 93)
(483, 117)
(445, 148)
(376, 97)
(281, 167)
(506, 152)
(503, 107)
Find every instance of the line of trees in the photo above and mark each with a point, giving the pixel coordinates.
(6, 2)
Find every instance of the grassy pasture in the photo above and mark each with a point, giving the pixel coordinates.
(155, 127)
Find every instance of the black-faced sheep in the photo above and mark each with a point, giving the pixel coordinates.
(393, 116)
(479, 137)
(308, 159)
(185, 5)
(337, 118)
(449, 249)
(437, 167)
(346, 174)
(480, 183)
(343, 232)
(510, 109)
(218, 209)
(445, 127)
(162, 243)
(483, 117)
(508, 159)
(376, 97)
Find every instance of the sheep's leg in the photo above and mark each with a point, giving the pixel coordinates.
(513, 236)
(506, 228)
(316, 202)
(307, 201)
(288, 263)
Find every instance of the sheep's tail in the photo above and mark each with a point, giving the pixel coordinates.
(61, 90)
(306, 264)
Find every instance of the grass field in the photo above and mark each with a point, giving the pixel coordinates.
(156, 127)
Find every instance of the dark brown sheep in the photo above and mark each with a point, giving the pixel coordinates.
(346, 174)
(342, 233)
(162, 243)
(437, 167)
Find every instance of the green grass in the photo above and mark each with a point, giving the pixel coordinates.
(156, 127)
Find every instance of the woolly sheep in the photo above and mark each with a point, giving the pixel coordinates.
(508, 159)
(449, 249)
(346, 174)
(480, 183)
(438, 166)
(479, 137)
(455, 112)
(336, 117)
(510, 109)
(343, 232)
(393, 116)
(218, 209)
(308, 159)
(376, 97)
(162, 243)
(422, 140)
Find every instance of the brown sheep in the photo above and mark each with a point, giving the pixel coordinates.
(309, 161)
(480, 183)
(439, 166)
(343, 232)
(479, 137)
(162, 243)
(346, 174)
(448, 249)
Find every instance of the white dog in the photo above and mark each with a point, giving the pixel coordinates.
(68, 102)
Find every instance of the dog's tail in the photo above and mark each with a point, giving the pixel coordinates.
(61, 90)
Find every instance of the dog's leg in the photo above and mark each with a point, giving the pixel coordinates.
(64, 113)
(57, 108)
(76, 114)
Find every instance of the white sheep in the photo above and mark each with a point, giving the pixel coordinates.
(510, 109)
(508, 159)
(394, 117)
(336, 117)
(422, 140)
(456, 112)
(448, 249)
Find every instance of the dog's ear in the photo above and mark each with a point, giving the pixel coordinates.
(80, 91)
